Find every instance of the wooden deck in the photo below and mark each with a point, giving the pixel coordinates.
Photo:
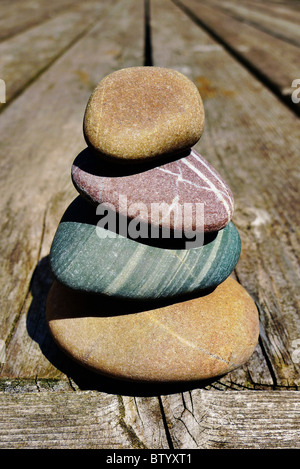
(243, 56)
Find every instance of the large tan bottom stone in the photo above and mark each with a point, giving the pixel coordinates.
(190, 340)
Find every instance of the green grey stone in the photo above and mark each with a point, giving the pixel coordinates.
(130, 269)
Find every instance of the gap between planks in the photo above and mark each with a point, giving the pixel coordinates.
(46, 157)
(264, 69)
(27, 56)
(234, 138)
(279, 383)
(282, 24)
(18, 18)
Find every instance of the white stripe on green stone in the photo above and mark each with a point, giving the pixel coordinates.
(211, 257)
(126, 272)
(161, 288)
(197, 278)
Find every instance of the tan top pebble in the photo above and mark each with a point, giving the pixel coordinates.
(139, 113)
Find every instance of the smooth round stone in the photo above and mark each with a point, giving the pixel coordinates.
(143, 112)
(84, 256)
(189, 180)
(192, 340)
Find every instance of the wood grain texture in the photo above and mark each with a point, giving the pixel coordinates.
(17, 16)
(288, 9)
(233, 420)
(41, 134)
(28, 54)
(198, 419)
(274, 59)
(278, 20)
(81, 420)
(251, 139)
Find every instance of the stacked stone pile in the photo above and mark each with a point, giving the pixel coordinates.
(142, 257)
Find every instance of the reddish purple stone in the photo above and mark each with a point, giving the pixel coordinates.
(131, 190)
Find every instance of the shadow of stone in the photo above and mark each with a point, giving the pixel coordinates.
(82, 211)
(82, 377)
(36, 324)
(98, 164)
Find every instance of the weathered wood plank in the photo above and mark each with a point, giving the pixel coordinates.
(81, 420)
(198, 419)
(287, 10)
(283, 24)
(233, 420)
(25, 56)
(16, 16)
(24, 357)
(275, 60)
(41, 134)
(253, 140)
(246, 129)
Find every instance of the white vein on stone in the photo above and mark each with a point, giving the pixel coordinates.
(182, 266)
(210, 183)
(194, 154)
(127, 270)
(187, 342)
(180, 178)
(211, 258)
